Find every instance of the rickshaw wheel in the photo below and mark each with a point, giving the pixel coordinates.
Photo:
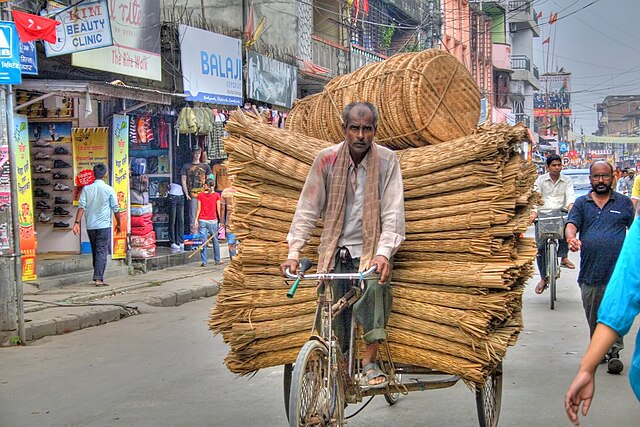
(312, 401)
(393, 398)
(286, 386)
(489, 399)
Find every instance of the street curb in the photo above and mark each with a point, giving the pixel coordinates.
(110, 293)
(105, 313)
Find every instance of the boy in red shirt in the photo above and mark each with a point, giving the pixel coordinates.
(206, 220)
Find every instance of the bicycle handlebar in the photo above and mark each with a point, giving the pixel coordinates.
(326, 276)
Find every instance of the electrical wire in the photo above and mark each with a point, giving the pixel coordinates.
(129, 308)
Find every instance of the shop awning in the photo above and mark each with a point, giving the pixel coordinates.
(96, 90)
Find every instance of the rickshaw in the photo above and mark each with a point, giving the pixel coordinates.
(324, 380)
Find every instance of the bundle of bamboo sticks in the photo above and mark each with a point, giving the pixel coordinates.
(457, 280)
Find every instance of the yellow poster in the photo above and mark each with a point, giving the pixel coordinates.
(24, 204)
(120, 174)
(90, 146)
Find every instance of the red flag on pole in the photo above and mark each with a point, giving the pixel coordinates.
(553, 18)
(249, 27)
(547, 40)
(365, 6)
(539, 15)
(33, 27)
(355, 15)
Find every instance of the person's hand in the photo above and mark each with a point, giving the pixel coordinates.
(76, 228)
(382, 266)
(581, 390)
(532, 217)
(574, 244)
(118, 229)
(194, 230)
(186, 196)
(291, 264)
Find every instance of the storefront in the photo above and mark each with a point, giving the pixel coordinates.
(75, 124)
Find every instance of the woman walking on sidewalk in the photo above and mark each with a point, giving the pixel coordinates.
(206, 220)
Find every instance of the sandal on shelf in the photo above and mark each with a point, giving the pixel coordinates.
(372, 371)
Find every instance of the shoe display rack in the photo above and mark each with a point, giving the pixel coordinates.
(52, 176)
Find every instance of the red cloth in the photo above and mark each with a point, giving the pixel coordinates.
(141, 231)
(33, 27)
(208, 205)
(141, 221)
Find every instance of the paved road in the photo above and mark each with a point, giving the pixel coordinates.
(164, 368)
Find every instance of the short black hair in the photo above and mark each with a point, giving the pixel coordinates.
(601, 161)
(553, 157)
(370, 106)
(99, 170)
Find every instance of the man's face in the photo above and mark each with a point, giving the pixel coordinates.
(196, 156)
(359, 131)
(601, 178)
(554, 168)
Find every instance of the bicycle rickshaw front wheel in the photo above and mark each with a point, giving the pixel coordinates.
(316, 397)
(552, 270)
(489, 399)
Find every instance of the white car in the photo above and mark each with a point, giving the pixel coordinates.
(581, 180)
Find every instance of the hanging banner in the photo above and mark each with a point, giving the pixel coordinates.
(28, 58)
(22, 172)
(85, 26)
(90, 146)
(120, 180)
(271, 81)
(135, 26)
(211, 66)
(9, 54)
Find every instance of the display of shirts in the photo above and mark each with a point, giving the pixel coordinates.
(197, 174)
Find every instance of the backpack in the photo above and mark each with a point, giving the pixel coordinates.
(187, 121)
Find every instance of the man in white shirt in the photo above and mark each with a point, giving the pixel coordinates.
(556, 190)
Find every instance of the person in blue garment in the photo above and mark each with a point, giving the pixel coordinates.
(619, 308)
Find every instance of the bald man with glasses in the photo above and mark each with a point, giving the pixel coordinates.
(601, 219)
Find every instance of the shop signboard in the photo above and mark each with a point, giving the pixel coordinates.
(85, 26)
(90, 146)
(22, 172)
(28, 58)
(120, 180)
(5, 183)
(9, 54)
(211, 66)
(271, 81)
(135, 28)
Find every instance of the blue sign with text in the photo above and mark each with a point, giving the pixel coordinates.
(28, 58)
(563, 147)
(9, 54)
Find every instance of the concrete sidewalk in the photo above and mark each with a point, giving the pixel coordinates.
(70, 308)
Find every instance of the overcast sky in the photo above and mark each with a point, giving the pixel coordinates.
(599, 44)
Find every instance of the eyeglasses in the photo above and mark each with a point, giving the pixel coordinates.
(601, 176)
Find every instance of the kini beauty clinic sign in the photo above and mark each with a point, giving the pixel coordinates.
(135, 27)
(84, 27)
(211, 66)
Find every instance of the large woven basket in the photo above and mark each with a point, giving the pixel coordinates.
(423, 98)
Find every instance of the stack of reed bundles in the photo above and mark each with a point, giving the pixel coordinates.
(424, 98)
(458, 278)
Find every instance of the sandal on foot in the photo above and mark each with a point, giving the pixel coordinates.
(372, 371)
(568, 264)
(541, 289)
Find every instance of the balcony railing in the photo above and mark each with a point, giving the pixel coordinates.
(520, 62)
(524, 118)
(536, 73)
(520, 5)
(329, 55)
(361, 57)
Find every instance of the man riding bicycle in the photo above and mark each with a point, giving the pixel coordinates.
(556, 190)
(356, 186)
